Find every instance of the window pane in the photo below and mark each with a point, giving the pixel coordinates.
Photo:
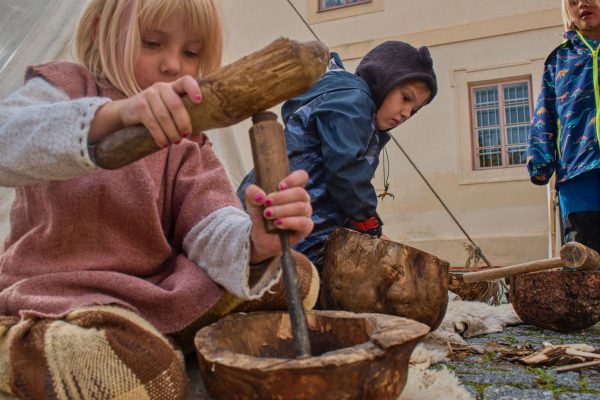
(329, 4)
(517, 134)
(516, 93)
(489, 137)
(517, 155)
(486, 106)
(517, 114)
(491, 157)
(486, 97)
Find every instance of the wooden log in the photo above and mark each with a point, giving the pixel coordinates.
(255, 83)
(579, 256)
(362, 273)
(562, 301)
(505, 272)
(355, 356)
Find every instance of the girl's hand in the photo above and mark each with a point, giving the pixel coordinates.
(159, 108)
(289, 208)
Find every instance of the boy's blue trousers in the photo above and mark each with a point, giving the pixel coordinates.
(580, 209)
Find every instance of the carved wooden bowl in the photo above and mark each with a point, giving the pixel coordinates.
(362, 273)
(354, 356)
(558, 300)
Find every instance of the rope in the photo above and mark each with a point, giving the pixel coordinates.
(386, 176)
(476, 249)
(303, 20)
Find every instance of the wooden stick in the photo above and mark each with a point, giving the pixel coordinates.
(572, 254)
(573, 352)
(503, 272)
(254, 83)
(574, 367)
(579, 256)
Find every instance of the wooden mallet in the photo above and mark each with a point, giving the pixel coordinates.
(231, 94)
(572, 254)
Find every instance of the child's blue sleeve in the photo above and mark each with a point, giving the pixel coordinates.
(541, 149)
(344, 122)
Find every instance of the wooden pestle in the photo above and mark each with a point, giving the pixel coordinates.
(256, 82)
(572, 254)
(271, 165)
(579, 256)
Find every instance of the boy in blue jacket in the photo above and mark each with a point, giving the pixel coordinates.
(336, 130)
(565, 128)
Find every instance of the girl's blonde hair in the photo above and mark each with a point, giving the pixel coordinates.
(108, 36)
(566, 12)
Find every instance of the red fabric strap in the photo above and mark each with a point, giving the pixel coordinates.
(366, 225)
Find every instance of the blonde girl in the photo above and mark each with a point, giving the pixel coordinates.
(106, 275)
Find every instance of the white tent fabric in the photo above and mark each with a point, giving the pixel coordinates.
(33, 32)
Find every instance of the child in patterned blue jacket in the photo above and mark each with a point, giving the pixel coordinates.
(565, 129)
(336, 130)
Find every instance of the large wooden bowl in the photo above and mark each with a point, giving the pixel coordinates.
(559, 300)
(362, 273)
(354, 356)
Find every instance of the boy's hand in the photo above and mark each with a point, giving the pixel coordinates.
(289, 208)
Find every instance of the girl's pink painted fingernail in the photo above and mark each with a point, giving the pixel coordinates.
(198, 98)
(268, 213)
(278, 222)
(178, 141)
(186, 134)
(165, 145)
(268, 202)
(259, 198)
(283, 186)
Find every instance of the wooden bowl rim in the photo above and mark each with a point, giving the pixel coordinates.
(390, 331)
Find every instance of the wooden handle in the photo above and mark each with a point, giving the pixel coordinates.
(269, 154)
(572, 254)
(257, 82)
(579, 256)
(503, 272)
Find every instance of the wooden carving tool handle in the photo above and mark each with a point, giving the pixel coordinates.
(503, 272)
(257, 82)
(572, 254)
(271, 165)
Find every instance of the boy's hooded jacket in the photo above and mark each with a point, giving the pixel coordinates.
(330, 132)
(565, 126)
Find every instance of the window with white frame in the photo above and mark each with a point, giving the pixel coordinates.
(500, 114)
(333, 4)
